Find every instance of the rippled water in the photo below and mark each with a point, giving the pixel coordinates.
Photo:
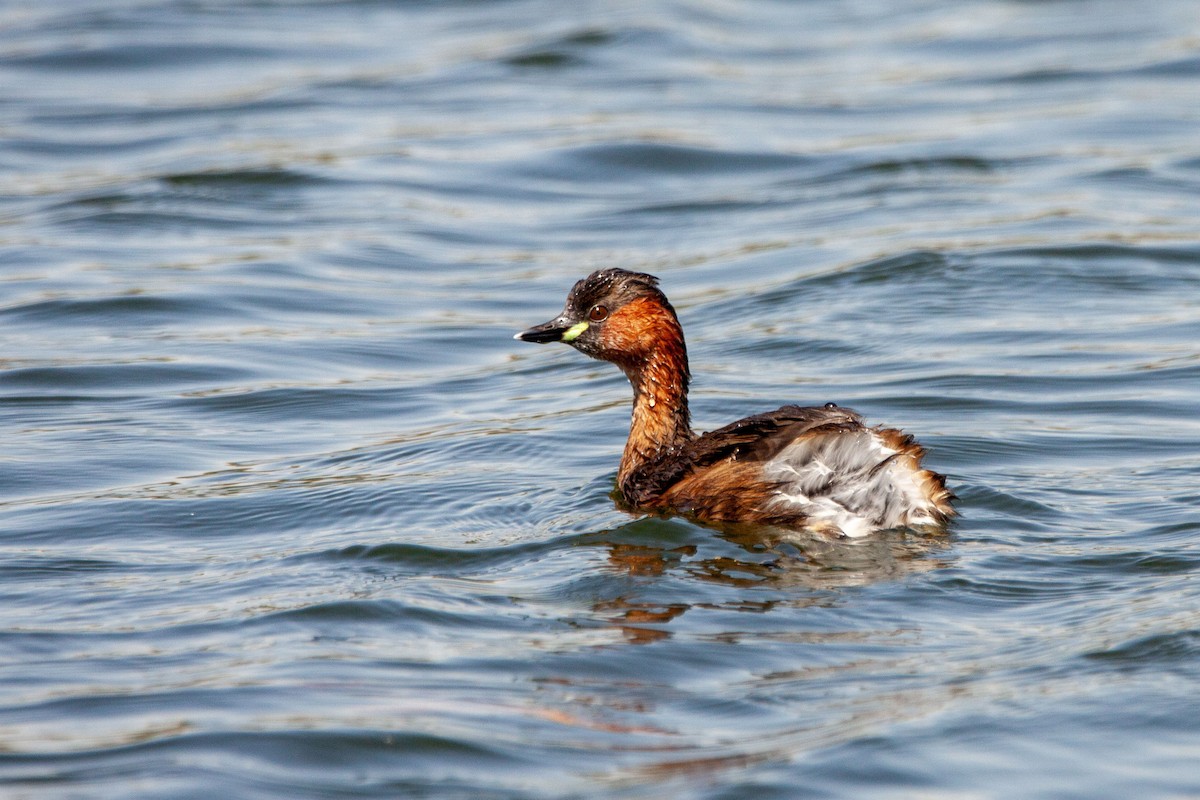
(286, 513)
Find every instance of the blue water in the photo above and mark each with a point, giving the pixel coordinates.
(286, 513)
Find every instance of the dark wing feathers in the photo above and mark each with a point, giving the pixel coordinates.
(762, 436)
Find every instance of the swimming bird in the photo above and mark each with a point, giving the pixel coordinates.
(820, 468)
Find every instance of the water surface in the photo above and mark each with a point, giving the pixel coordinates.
(286, 513)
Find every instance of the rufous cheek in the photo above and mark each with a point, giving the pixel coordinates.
(634, 329)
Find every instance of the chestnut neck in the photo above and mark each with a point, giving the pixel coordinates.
(660, 419)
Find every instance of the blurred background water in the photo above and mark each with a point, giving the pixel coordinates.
(286, 513)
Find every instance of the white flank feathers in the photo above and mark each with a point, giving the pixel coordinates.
(849, 480)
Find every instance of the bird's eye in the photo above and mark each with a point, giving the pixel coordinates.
(598, 313)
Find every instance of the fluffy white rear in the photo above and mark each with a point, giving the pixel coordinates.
(850, 481)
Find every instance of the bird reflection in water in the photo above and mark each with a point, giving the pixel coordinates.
(762, 567)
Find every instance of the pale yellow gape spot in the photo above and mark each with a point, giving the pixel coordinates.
(572, 333)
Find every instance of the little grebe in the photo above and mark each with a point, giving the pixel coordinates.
(818, 468)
